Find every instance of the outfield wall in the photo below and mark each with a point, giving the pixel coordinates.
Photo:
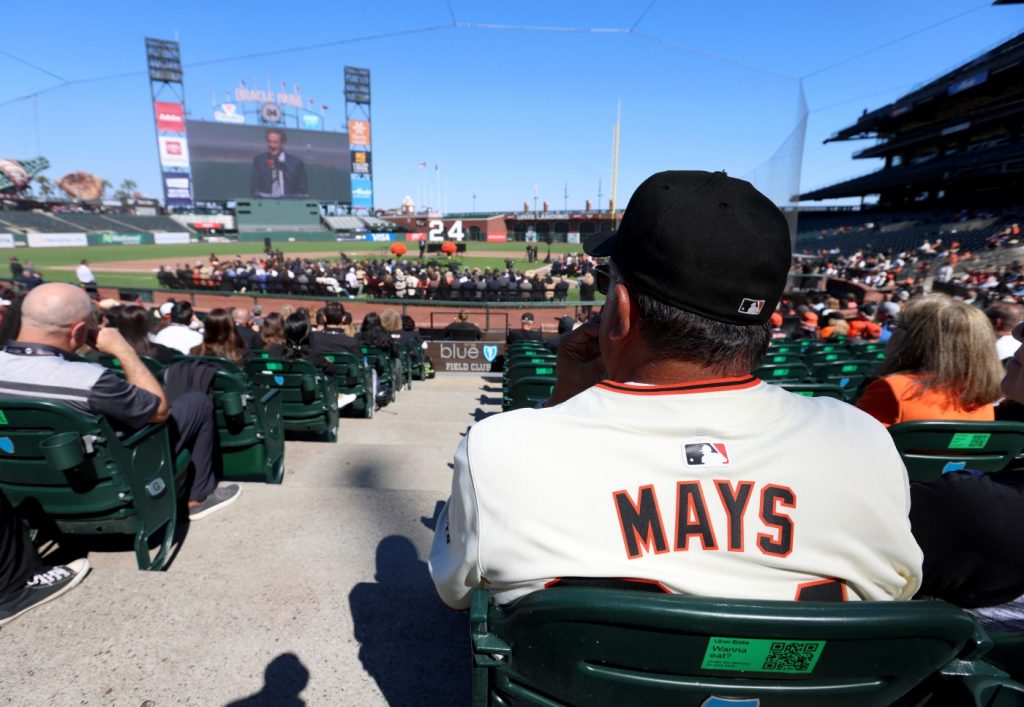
(73, 239)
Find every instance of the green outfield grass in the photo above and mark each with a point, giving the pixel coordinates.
(46, 259)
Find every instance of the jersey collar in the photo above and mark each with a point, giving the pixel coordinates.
(711, 385)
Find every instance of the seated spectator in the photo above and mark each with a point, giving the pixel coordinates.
(373, 334)
(969, 527)
(1004, 316)
(272, 336)
(776, 326)
(180, 334)
(940, 364)
(808, 328)
(41, 364)
(863, 327)
(409, 337)
(243, 325)
(462, 329)
(663, 456)
(525, 332)
(133, 323)
(333, 337)
(221, 338)
(25, 581)
(836, 326)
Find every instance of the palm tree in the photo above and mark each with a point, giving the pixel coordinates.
(45, 186)
(104, 185)
(130, 187)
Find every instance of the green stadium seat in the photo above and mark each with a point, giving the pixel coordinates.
(309, 398)
(783, 372)
(250, 429)
(73, 468)
(353, 377)
(527, 392)
(597, 647)
(775, 358)
(816, 358)
(381, 362)
(848, 374)
(825, 390)
(522, 370)
(154, 366)
(931, 448)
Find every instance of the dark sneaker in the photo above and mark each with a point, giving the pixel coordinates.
(222, 497)
(48, 583)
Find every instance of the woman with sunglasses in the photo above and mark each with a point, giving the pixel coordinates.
(940, 364)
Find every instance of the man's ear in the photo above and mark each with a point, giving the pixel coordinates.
(626, 315)
(76, 336)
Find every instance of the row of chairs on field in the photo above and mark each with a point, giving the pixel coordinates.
(72, 474)
(528, 376)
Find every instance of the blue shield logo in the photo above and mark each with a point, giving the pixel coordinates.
(6, 445)
(279, 380)
(490, 352)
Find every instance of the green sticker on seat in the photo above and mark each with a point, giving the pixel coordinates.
(275, 367)
(779, 372)
(850, 368)
(329, 357)
(966, 440)
(831, 357)
(806, 393)
(3, 418)
(545, 371)
(762, 655)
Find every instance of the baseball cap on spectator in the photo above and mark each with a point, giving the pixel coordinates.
(868, 310)
(565, 324)
(809, 319)
(527, 317)
(663, 246)
(776, 319)
(165, 309)
(903, 295)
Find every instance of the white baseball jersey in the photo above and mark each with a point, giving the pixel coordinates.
(728, 487)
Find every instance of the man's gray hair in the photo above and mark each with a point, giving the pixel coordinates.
(55, 307)
(673, 333)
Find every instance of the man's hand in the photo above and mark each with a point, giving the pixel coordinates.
(110, 341)
(579, 363)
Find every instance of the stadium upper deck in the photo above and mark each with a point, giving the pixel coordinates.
(953, 143)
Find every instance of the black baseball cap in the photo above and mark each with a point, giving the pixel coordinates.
(703, 242)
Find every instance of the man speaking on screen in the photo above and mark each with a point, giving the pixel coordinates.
(277, 174)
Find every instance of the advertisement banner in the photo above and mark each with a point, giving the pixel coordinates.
(362, 193)
(111, 238)
(573, 237)
(56, 240)
(177, 188)
(359, 133)
(228, 113)
(458, 357)
(7, 240)
(415, 236)
(380, 237)
(173, 151)
(496, 237)
(170, 238)
(170, 117)
(360, 163)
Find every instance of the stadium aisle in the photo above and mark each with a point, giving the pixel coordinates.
(317, 588)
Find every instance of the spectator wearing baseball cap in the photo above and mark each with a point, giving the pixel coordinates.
(808, 328)
(525, 332)
(656, 428)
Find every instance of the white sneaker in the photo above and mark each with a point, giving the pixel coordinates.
(346, 399)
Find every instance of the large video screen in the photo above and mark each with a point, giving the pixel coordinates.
(245, 161)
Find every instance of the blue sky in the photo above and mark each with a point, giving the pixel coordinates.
(500, 110)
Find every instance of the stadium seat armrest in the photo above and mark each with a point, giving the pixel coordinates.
(144, 433)
(488, 648)
(267, 396)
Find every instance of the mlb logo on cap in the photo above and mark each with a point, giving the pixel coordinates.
(752, 307)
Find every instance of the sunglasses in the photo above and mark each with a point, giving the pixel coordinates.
(602, 278)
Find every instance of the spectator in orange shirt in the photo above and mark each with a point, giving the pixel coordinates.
(940, 364)
(808, 326)
(864, 326)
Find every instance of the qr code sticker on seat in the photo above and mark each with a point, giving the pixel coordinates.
(791, 656)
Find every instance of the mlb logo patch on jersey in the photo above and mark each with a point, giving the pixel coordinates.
(752, 307)
(706, 452)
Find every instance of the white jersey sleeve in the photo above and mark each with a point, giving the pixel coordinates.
(455, 557)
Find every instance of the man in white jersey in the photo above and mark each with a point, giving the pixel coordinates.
(659, 457)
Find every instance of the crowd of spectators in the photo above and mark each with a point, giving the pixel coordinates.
(275, 273)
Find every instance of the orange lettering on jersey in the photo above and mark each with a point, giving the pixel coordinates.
(641, 524)
(780, 542)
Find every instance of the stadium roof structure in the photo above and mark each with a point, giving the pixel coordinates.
(954, 140)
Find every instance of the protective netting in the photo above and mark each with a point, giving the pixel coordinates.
(778, 177)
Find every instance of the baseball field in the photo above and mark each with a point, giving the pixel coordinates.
(136, 266)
